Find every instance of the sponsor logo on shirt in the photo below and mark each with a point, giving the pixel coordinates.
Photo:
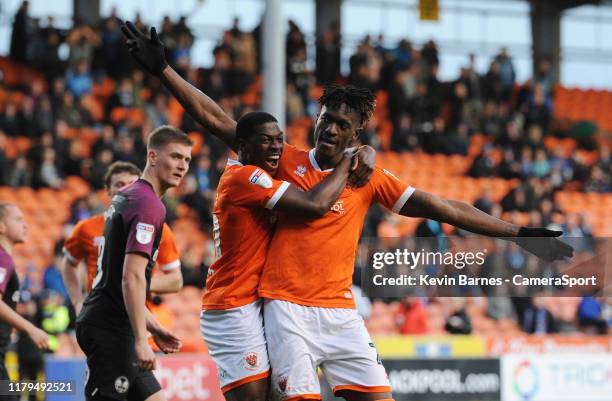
(2, 274)
(300, 170)
(259, 177)
(338, 207)
(144, 233)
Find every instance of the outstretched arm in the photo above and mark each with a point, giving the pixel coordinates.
(457, 213)
(201, 107)
(539, 241)
(149, 53)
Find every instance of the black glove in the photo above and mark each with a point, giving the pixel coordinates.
(542, 243)
(149, 52)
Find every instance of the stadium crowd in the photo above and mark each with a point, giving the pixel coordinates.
(95, 107)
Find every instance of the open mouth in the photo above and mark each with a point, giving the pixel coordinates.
(177, 176)
(273, 160)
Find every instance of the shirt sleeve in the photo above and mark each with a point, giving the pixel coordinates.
(73, 246)
(168, 257)
(142, 225)
(6, 271)
(389, 190)
(253, 186)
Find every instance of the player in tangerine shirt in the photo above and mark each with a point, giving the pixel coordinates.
(246, 194)
(82, 244)
(310, 318)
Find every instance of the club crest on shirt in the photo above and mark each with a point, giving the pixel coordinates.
(144, 233)
(300, 170)
(251, 361)
(259, 177)
(282, 384)
(122, 384)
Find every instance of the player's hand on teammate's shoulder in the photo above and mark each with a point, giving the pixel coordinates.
(145, 357)
(366, 159)
(167, 341)
(39, 337)
(149, 51)
(543, 243)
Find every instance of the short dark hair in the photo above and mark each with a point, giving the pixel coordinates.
(4, 207)
(361, 100)
(118, 168)
(248, 122)
(166, 134)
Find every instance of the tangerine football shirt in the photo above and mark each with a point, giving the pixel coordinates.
(311, 262)
(241, 232)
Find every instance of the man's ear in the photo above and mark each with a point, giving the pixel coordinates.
(242, 147)
(152, 156)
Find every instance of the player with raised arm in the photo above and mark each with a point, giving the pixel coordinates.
(12, 232)
(113, 323)
(310, 318)
(84, 242)
(231, 318)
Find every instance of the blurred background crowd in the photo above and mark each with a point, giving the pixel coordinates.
(483, 137)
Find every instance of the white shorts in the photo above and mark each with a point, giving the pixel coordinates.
(237, 344)
(302, 338)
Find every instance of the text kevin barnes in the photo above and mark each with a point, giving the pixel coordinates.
(462, 279)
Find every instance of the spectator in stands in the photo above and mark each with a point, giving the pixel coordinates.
(21, 174)
(48, 175)
(411, 316)
(539, 111)
(157, 113)
(492, 85)
(430, 55)
(483, 165)
(47, 58)
(404, 138)
(295, 48)
(597, 181)
(458, 321)
(104, 158)
(78, 80)
(544, 76)
(537, 319)
(111, 43)
(484, 201)
(19, 36)
(590, 316)
(328, 55)
(507, 74)
(70, 112)
(82, 40)
(434, 136)
(125, 150)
